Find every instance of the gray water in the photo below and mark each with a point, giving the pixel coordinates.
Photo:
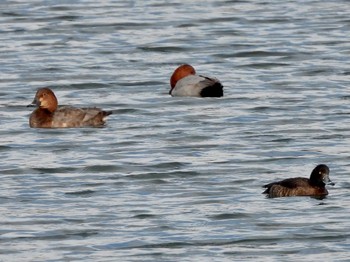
(175, 179)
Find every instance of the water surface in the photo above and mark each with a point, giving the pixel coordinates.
(175, 179)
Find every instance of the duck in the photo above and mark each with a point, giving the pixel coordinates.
(301, 186)
(49, 115)
(185, 82)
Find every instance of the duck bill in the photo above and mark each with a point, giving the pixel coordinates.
(327, 181)
(33, 104)
(330, 183)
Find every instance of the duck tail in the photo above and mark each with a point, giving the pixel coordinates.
(214, 90)
(107, 113)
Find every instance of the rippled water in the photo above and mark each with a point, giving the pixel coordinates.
(175, 179)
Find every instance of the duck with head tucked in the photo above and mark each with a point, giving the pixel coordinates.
(301, 186)
(49, 115)
(185, 82)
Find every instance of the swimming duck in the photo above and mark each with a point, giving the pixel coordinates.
(49, 115)
(185, 82)
(300, 186)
